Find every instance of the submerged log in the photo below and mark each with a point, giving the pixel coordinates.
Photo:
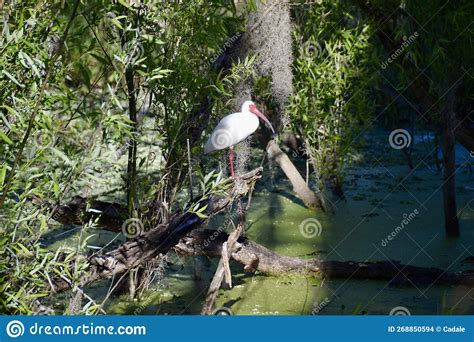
(161, 238)
(255, 257)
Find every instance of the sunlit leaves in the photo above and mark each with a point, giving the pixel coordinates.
(82, 128)
(330, 80)
(5, 138)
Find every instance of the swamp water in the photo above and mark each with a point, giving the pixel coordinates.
(380, 192)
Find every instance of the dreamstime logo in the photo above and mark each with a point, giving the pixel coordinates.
(132, 227)
(15, 329)
(399, 139)
(310, 228)
(407, 218)
(467, 208)
(319, 306)
(406, 42)
(42, 139)
(300, 150)
(220, 229)
(221, 138)
(214, 236)
(134, 51)
(222, 312)
(57, 214)
(400, 311)
(310, 49)
(227, 45)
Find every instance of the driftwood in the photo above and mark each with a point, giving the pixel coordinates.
(223, 270)
(161, 238)
(255, 257)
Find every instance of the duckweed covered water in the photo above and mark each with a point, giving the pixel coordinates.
(380, 193)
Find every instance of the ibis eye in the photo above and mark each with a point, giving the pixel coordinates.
(252, 107)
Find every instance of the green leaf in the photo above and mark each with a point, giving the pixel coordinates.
(201, 215)
(61, 155)
(116, 21)
(30, 63)
(202, 209)
(13, 79)
(100, 58)
(9, 109)
(56, 188)
(123, 3)
(5, 138)
(3, 172)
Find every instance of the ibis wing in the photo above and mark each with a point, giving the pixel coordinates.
(231, 130)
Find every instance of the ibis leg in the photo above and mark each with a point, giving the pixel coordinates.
(231, 157)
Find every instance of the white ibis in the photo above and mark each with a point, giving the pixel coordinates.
(234, 128)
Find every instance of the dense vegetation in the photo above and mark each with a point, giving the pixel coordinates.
(117, 98)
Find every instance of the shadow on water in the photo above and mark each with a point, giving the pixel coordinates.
(58, 234)
(268, 231)
(291, 197)
(380, 190)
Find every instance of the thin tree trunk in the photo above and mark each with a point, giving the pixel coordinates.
(449, 183)
(132, 149)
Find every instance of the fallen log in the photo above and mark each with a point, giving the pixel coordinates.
(159, 239)
(255, 257)
(81, 210)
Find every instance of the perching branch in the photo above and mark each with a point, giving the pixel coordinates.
(161, 238)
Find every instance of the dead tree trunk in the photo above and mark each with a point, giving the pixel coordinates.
(251, 255)
(299, 185)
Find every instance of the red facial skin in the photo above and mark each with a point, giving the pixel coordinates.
(253, 109)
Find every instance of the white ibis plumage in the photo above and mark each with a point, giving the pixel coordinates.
(234, 128)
